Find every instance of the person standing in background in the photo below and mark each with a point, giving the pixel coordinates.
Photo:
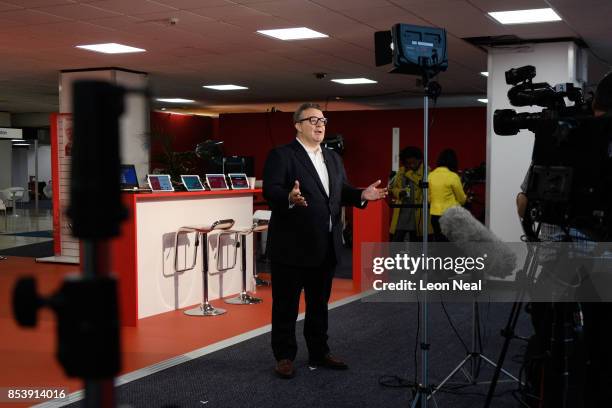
(445, 190)
(406, 222)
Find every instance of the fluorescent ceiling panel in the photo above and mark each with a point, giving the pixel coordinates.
(228, 87)
(110, 48)
(525, 16)
(175, 100)
(354, 81)
(298, 33)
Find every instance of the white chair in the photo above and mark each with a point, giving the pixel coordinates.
(48, 190)
(17, 195)
(6, 196)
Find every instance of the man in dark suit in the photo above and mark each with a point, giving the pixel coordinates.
(306, 187)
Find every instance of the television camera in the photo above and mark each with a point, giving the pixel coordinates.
(569, 178)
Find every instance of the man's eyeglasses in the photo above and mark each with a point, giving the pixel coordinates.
(314, 121)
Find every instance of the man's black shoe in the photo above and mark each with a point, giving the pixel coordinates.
(284, 369)
(329, 361)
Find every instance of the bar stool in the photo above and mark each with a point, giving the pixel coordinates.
(245, 298)
(201, 233)
(260, 216)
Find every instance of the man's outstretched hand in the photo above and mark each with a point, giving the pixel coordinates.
(372, 193)
(295, 196)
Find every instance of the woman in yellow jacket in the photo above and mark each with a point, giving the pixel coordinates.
(445, 190)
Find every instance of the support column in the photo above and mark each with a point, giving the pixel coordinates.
(134, 128)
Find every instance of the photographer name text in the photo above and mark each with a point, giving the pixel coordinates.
(421, 285)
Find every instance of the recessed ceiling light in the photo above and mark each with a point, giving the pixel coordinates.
(21, 144)
(484, 74)
(354, 81)
(525, 16)
(110, 48)
(227, 87)
(16, 140)
(163, 109)
(483, 100)
(297, 33)
(175, 100)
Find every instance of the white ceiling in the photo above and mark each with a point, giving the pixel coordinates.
(214, 41)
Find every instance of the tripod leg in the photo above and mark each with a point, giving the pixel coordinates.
(508, 334)
(415, 401)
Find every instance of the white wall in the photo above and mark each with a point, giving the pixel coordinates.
(134, 124)
(508, 157)
(44, 162)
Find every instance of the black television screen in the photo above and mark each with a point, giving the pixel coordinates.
(239, 164)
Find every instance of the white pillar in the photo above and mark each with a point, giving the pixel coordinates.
(134, 126)
(134, 134)
(508, 157)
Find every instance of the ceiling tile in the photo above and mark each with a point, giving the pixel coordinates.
(192, 4)
(36, 3)
(131, 7)
(81, 12)
(30, 17)
(181, 17)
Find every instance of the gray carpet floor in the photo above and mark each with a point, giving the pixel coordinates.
(376, 339)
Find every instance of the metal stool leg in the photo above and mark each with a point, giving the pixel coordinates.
(205, 309)
(258, 281)
(244, 298)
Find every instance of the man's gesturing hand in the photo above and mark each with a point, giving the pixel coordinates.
(372, 193)
(295, 196)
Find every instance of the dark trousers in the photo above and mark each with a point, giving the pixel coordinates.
(435, 224)
(287, 285)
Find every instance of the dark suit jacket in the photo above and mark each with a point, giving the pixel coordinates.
(299, 236)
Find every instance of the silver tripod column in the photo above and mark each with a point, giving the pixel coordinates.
(424, 394)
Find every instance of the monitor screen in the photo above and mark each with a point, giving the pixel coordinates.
(192, 182)
(128, 178)
(160, 182)
(216, 181)
(239, 181)
(238, 164)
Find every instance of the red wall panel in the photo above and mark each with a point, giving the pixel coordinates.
(186, 131)
(367, 136)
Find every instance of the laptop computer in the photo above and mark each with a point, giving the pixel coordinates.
(160, 183)
(128, 179)
(216, 181)
(192, 182)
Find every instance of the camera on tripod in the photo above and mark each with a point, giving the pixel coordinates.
(568, 182)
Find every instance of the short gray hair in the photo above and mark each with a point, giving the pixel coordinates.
(297, 115)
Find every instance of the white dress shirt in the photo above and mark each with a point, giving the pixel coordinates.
(316, 156)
